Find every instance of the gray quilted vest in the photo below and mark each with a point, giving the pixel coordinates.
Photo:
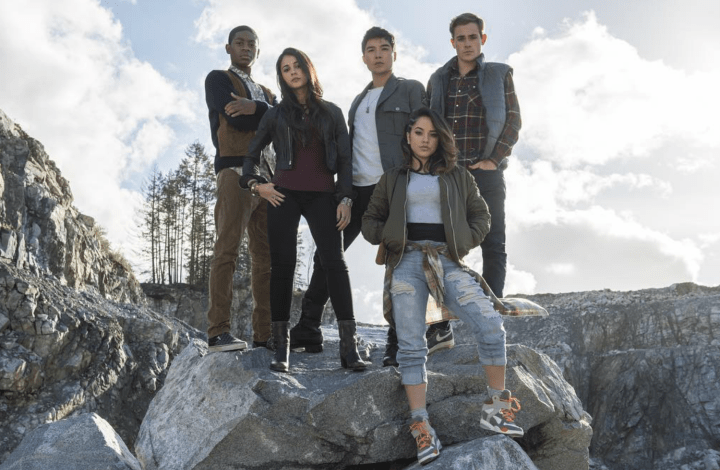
(491, 81)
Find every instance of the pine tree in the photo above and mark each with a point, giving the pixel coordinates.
(151, 222)
(197, 172)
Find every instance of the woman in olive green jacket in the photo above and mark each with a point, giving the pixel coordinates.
(429, 214)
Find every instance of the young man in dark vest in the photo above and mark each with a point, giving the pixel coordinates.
(478, 100)
(377, 120)
(235, 105)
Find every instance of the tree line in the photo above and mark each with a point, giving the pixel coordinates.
(178, 228)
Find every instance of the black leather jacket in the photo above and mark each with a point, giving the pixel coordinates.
(274, 128)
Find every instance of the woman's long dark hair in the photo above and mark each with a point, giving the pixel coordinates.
(290, 105)
(445, 157)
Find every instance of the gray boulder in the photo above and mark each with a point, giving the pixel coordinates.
(84, 442)
(490, 453)
(228, 410)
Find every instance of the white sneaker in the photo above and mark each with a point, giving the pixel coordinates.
(498, 415)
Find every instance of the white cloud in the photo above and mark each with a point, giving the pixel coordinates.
(368, 305)
(539, 192)
(588, 97)
(72, 82)
(708, 239)
(563, 269)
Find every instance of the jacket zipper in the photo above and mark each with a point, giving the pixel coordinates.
(289, 148)
(402, 252)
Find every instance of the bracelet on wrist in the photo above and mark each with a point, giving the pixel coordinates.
(347, 201)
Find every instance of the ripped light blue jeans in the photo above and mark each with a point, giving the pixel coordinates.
(464, 297)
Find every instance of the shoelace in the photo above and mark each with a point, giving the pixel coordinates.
(423, 438)
(508, 414)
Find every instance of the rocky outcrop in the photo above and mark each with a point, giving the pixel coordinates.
(646, 365)
(65, 352)
(75, 332)
(190, 304)
(84, 442)
(230, 411)
(43, 233)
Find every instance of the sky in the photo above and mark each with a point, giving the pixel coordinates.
(613, 184)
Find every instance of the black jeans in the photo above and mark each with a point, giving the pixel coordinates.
(492, 188)
(319, 209)
(317, 291)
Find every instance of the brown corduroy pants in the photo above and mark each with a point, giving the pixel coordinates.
(236, 210)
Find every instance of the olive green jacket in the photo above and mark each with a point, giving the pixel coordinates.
(464, 213)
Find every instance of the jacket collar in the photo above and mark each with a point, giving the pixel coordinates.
(452, 63)
(389, 87)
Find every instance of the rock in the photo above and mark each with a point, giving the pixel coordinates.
(84, 442)
(490, 453)
(20, 371)
(4, 322)
(190, 304)
(88, 354)
(75, 331)
(229, 410)
(43, 233)
(646, 365)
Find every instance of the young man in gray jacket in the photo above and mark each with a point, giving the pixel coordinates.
(377, 120)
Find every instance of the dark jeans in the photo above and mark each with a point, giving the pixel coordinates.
(319, 209)
(317, 291)
(492, 189)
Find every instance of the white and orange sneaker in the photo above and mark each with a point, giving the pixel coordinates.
(428, 445)
(498, 414)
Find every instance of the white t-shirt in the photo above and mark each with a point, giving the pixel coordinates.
(423, 199)
(367, 166)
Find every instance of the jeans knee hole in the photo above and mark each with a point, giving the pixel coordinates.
(470, 291)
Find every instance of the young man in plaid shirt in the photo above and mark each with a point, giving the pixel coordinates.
(477, 98)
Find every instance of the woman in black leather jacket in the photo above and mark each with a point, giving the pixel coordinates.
(311, 143)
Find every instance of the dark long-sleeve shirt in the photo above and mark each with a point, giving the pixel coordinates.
(218, 89)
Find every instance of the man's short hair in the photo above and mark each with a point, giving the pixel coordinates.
(378, 32)
(466, 18)
(237, 29)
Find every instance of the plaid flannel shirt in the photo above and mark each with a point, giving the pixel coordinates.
(466, 114)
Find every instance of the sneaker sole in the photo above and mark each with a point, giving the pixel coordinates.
(444, 345)
(430, 457)
(486, 425)
(228, 347)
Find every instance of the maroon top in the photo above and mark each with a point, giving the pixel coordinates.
(309, 171)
